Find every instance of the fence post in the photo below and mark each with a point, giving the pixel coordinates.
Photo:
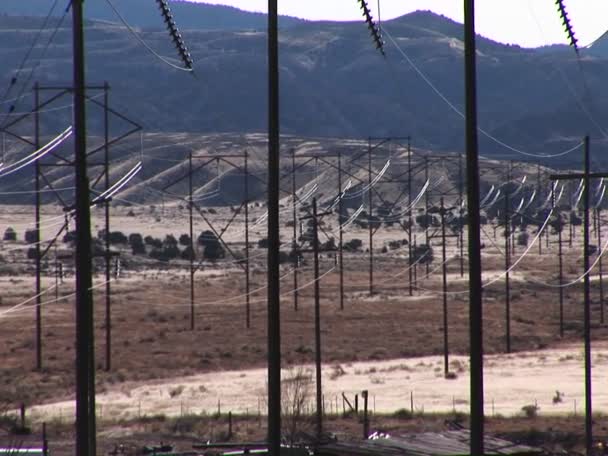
(22, 414)
(229, 425)
(364, 394)
(412, 402)
(45, 443)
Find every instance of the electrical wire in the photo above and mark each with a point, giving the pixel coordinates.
(36, 155)
(35, 67)
(462, 115)
(143, 43)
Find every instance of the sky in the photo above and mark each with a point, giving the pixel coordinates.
(529, 23)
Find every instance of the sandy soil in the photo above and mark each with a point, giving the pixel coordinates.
(511, 381)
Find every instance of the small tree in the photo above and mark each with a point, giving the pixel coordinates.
(186, 253)
(353, 245)
(10, 234)
(296, 391)
(422, 254)
(117, 237)
(136, 242)
(522, 238)
(30, 236)
(213, 249)
(184, 240)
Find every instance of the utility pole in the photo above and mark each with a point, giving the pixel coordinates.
(315, 246)
(475, 285)
(247, 270)
(410, 221)
(426, 208)
(461, 212)
(37, 238)
(540, 244)
(370, 218)
(106, 160)
(85, 364)
(315, 250)
(600, 269)
(274, 308)
(560, 227)
(191, 230)
(586, 176)
(340, 223)
(587, 313)
(446, 364)
(507, 267)
(295, 229)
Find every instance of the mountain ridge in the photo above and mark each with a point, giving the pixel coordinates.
(333, 83)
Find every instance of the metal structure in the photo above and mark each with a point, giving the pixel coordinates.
(227, 159)
(586, 176)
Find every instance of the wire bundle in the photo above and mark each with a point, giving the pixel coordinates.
(373, 27)
(175, 35)
(561, 8)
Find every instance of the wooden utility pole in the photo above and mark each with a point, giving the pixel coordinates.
(274, 308)
(192, 244)
(37, 238)
(586, 176)
(370, 218)
(315, 246)
(410, 219)
(107, 202)
(475, 285)
(507, 234)
(446, 364)
(85, 363)
(340, 223)
(295, 229)
(247, 265)
(598, 231)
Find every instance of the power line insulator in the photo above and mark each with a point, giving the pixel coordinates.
(182, 50)
(561, 8)
(372, 26)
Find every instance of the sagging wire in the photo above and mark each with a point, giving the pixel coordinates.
(368, 187)
(62, 298)
(487, 197)
(18, 306)
(601, 198)
(182, 50)
(374, 29)
(36, 155)
(146, 45)
(107, 194)
(27, 55)
(350, 220)
(462, 115)
(578, 198)
(35, 67)
(532, 197)
(490, 204)
(578, 279)
(420, 258)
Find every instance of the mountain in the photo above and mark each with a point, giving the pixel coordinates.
(145, 13)
(333, 83)
(599, 47)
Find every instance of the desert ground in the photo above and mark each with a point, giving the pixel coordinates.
(388, 343)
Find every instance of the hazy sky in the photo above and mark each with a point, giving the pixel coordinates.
(524, 22)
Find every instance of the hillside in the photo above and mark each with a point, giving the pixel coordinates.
(144, 13)
(334, 84)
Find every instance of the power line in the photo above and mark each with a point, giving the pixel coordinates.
(188, 69)
(461, 114)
